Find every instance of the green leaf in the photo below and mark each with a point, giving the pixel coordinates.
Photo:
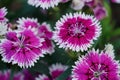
(116, 32)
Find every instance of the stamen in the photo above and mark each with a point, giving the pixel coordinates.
(77, 29)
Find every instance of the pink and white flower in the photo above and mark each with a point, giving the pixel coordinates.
(56, 70)
(45, 4)
(77, 31)
(42, 77)
(3, 12)
(21, 48)
(96, 66)
(46, 33)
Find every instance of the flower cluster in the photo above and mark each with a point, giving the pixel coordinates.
(25, 45)
(57, 70)
(96, 5)
(75, 32)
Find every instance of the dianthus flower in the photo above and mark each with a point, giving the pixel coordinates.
(76, 31)
(21, 48)
(96, 66)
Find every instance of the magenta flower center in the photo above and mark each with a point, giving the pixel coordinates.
(98, 71)
(77, 29)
